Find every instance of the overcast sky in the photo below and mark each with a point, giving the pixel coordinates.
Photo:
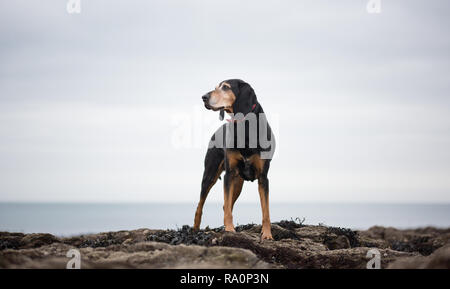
(92, 105)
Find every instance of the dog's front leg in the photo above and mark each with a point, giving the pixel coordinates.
(263, 188)
(228, 192)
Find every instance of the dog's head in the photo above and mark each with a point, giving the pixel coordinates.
(233, 96)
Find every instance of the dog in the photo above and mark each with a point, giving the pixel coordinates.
(241, 148)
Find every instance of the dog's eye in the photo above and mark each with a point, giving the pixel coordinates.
(225, 87)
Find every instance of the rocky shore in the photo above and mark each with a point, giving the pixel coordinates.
(295, 245)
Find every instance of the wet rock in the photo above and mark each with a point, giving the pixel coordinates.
(280, 233)
(295, 245)
(424, 240)
(292, 224)
(338, 242)
(185, 235)
(247, 227)
(353, 258)
(303, 254)
(365, 241)
(139, 255)
(10, 240)
(314, 233)
(109, 238)
(440, 259)
(37, 240)
(340, 237)
(333, 237)
(287, 252)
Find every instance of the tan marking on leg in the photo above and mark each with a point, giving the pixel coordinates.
(266, 227)
(227, 206)
(233, 157)
(199, 211)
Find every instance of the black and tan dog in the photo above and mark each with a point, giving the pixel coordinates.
(242, 156)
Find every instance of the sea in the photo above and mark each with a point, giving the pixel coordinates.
(69, 219)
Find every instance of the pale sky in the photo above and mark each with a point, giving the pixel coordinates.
(91, 104)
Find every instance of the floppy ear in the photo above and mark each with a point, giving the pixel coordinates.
(245, 98)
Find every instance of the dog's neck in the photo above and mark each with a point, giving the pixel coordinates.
(256, 108)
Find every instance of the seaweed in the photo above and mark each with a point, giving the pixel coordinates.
(292, 224)
(9, 244)
(186, 235)
(241, 228)
(103, 241)
(421, 244)
(351, 235)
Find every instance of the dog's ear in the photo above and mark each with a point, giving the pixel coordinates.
(245, 98)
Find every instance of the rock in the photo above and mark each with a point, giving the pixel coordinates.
(354, 258)
(302, 254)
(338, 242)
(10, 240)
(424, 240)
(37, 240)
(138, 255)
(365, 241)
(295, 245)
(280, 233)
(440, 259)
(340, 238)
(314, 233)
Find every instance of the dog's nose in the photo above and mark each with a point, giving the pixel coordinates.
(205, 97)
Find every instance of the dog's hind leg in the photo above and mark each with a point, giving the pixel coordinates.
(213, 169)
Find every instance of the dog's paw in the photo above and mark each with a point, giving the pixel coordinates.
(266, 236)
(230, 229)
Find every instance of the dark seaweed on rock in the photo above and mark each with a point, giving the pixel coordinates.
(241, 228)
(186, 235)
(351, 235)
(102, 241)
(420, 244)
(292, 224)
(280, 233)
(10, 240)
(9, 244)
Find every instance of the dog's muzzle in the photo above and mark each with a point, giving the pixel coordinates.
(205, 99)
